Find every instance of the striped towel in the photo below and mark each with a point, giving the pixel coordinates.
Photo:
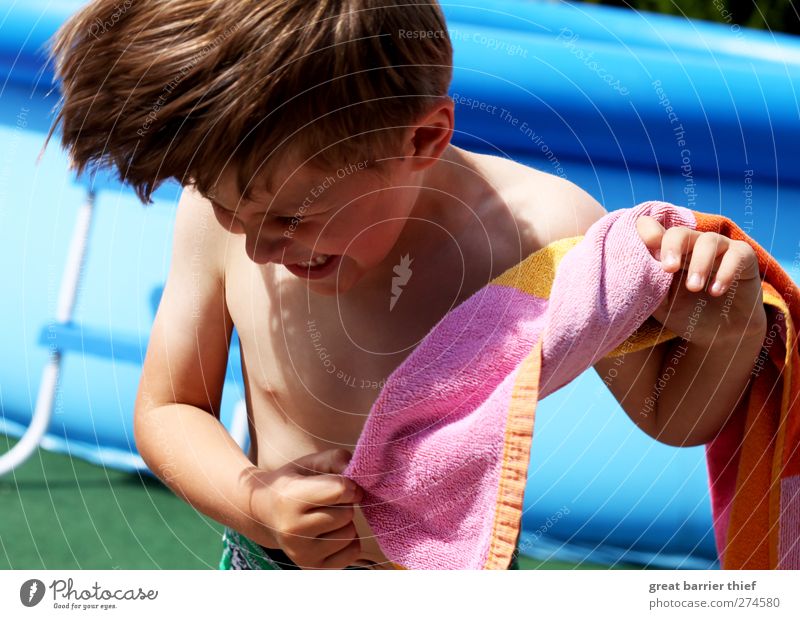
(443, 456)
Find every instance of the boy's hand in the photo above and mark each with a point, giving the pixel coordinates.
(309, 507)
(727, 268)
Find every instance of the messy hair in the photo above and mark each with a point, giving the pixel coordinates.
(182, 88)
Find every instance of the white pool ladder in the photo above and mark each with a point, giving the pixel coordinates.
(48, 386)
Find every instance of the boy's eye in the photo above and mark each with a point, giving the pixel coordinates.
(289, 220)
(219, 209)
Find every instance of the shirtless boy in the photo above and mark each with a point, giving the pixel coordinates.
(313, 143)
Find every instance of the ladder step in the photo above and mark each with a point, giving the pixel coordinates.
(129, 347)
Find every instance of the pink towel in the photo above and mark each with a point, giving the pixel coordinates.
(443, 456)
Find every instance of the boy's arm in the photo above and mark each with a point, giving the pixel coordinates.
(683, 391)
(679, 392)
(176, 415)
(695, 390)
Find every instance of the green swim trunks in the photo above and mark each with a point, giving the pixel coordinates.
(242, 553)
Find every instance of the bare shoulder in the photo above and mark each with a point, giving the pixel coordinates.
(551, 206)
(199, 239)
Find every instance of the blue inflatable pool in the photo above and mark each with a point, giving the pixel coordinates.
(630, 106)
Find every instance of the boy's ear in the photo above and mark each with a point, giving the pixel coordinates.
(430, 135)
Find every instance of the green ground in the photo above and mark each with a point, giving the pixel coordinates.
(64, 513)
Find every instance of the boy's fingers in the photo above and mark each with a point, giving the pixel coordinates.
(707, 249)
(346, 556)
(737, 263)
(326, 519)
(321, 490)
(339, 538)
(677, 245)
(651, 232)
(330, 461)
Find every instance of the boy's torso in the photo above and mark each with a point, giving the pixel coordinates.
(313, 365)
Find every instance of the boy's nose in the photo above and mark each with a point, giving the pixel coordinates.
(262, 250)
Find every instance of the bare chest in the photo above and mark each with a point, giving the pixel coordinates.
(314, 365)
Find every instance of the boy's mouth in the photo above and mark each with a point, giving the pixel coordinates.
(319, 266)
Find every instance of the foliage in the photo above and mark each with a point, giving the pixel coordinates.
(777, 15)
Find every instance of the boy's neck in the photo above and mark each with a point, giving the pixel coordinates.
(451, 193)
(448, 182)
(452, 189)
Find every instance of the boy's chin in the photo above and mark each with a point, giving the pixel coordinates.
(325, 289)
(337, 284)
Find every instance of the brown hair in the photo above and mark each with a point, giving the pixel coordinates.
(181, 88)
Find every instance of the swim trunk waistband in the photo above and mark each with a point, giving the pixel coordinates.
(241, 553)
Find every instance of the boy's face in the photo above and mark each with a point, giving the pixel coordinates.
(343, 221)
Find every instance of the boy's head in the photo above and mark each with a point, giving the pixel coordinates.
(299, 116)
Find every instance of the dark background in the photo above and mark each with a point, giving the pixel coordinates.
(778, 15)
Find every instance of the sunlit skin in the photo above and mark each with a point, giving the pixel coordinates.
(463, 218)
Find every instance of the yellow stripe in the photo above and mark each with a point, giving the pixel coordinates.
(535, 276)
(536, 273)
(650, 333)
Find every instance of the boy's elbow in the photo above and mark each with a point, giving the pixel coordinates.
(668, 436)
(140, 431)
(677, 435)
(143, 411)
(680, 440)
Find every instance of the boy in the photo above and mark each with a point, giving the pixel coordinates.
(326, 215)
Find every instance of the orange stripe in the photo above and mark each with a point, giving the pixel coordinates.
(748, 543)
(516, 455)
(785, 367)
(767, 265)
(754, 529)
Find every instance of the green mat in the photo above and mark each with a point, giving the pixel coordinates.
(64, 513)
